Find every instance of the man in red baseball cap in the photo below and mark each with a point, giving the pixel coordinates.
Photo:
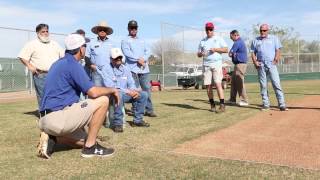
(210, 49)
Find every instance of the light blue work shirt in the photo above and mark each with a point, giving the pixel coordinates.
(99, 51)
(265, 49)
(120, 78)
(211, 59)
(133, 49)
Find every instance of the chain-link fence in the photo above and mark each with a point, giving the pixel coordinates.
(13, 74)
(179, 45)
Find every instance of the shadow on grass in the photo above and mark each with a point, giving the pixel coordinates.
(185, 106)
(33, 113)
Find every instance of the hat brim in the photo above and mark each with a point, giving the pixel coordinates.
(108, 30)
(116, 58)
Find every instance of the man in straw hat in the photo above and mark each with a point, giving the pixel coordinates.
(66, 120)
(98, 51)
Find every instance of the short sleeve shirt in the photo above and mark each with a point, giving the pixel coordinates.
(265, 48)
(64, 82)
(41, 55)
(206, 44)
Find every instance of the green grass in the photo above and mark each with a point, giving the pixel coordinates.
(145, 153)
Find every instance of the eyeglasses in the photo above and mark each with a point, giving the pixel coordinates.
(133, 28)
(263, 30)
(209, 29)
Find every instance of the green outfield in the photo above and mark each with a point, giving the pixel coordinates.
(145, 153)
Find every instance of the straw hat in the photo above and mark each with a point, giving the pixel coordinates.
(102, 25)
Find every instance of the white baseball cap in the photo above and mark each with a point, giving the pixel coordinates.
(115, 52)
(74, 41)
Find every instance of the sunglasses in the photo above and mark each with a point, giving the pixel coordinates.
(209, 29)
(263, 30)
(133, 28)
(84, 45)
(100, 30)
(44, 31)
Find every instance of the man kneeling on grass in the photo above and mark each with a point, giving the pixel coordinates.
(64, 119)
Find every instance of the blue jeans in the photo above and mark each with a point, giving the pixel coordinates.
(142, 80)
(38, 81)
(97, 79)
(138, 104)
(273, 74)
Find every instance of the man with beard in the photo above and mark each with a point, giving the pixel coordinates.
(38, 55)
(65, 119)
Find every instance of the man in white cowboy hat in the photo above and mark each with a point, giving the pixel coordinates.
(98, 51)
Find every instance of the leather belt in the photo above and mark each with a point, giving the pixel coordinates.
(41, 71)
(45, 112)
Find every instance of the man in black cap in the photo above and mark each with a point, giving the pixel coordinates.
(134, 49)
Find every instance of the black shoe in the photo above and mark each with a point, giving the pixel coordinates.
(141, 124)
(117, 128)
(96, 150)
(150, 114)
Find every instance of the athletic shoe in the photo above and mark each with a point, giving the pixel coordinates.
(284, 109)
(96, 150)
(45, 146)
(243, 103)
(265, 108)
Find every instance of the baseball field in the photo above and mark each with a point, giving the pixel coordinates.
(186, 141)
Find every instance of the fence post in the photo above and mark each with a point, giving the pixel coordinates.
(162, 55)
(298, 64)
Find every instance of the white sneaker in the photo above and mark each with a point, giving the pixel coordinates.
(243, 103)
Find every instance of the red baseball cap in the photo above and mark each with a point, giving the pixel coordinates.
(209, 25)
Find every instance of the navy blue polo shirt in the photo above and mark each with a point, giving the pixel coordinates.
(239, 50)
(65, 81)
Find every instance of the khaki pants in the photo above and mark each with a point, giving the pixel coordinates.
(237, 83)
(72, 121)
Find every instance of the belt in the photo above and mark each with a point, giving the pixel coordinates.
(41, 71)
(45, 112)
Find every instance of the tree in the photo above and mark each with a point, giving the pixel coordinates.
(171, 49)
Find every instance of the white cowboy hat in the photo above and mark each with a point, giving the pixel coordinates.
(102, 25)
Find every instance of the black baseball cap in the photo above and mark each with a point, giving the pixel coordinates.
(132, 23)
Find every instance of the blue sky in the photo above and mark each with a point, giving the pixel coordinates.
(65, 16)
